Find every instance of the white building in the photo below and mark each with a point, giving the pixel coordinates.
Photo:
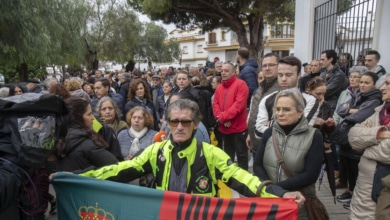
(197, 46)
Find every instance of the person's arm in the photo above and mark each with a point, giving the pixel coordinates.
(365, 110)
(262, 116)
(100, 156)
(313, 163)
(244, 182)
(371, 138)
(216, 105)
(251, 80)
(239, 103)
(202, 134)
(258, 168)
(312, 105)
(333, 87)
(343, 109)
(124, 171)
(111, 138)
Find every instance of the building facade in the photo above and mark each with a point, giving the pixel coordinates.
(198, 47)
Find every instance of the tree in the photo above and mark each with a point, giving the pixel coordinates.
(121, 43)
(243, 17)
(153, 48)
(36, 32)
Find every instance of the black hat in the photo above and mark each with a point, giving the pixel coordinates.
(33, 81)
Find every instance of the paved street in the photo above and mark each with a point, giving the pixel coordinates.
(336, 211)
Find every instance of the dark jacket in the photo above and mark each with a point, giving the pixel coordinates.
(124, 90)
(111, 138)
(248, 73)
(305, 79)
(12, 178)
(264, 89)
(336, 82)
(148, 105)
(81, 152)
(203, 98)
(156, 92)
(366, 104)
(160, 107)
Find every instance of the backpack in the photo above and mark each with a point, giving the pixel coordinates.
(30, 127)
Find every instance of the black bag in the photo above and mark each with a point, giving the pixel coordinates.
(381, 171)
(340, 133)
(30, 127)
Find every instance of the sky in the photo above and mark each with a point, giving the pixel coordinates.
(145, 18)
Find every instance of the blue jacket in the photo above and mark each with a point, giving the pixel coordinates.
(248, 73)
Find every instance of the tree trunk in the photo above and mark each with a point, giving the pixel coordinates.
(130, 66)
(256, 42)
(22, 69)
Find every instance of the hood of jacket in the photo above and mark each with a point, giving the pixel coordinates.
(74, 138)
(251, 63)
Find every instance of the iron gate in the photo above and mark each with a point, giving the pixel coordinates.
(346, 26)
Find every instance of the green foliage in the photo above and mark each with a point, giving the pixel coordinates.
(152, 48)
(121, 40)
(343, 5)
(38, 32)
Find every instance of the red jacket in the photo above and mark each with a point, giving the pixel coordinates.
(230, 101)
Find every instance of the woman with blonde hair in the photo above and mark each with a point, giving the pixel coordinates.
(74, 88)
(139, 135)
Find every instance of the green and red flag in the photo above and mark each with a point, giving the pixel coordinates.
(87, 198)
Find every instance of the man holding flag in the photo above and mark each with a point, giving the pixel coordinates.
(183, 164)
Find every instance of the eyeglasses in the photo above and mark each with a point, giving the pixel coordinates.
(282, 109)
(269, 65)
(184, 123)
(354, 77)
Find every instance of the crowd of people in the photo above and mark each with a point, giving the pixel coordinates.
(284, 119)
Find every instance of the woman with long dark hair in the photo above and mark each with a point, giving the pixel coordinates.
(82, 147)
(140, 95)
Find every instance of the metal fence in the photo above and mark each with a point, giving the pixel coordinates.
(346, 26)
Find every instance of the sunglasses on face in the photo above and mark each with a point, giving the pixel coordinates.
(175, 123)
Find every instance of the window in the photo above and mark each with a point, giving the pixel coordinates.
(223, 33)
(282, 31)
(185, 49)
(199, 49)
(212, 38)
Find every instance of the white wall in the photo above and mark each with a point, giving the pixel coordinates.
(304, 26)
(381, 41)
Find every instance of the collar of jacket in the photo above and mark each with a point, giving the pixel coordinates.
(227, 83)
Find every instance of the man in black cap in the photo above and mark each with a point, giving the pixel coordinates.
(32, 86)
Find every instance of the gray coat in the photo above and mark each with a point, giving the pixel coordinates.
(125, 141)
